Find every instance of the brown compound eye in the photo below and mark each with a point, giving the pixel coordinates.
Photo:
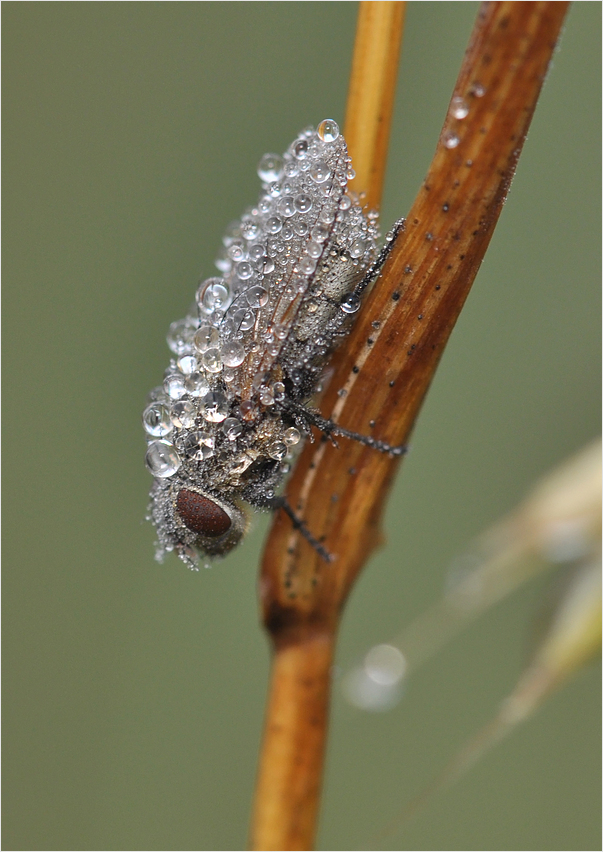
(202, 515)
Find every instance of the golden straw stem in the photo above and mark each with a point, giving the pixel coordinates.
(371, 94)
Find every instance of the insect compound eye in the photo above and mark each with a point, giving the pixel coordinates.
(202, 515)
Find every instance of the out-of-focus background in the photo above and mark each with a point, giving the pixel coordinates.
(134, 692)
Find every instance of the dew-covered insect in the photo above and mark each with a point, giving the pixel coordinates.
(234, 400)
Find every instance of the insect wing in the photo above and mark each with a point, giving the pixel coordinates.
(274, 255)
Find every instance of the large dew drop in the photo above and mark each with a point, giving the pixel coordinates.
(156, 420)
(328, 130)
(233, 353)
(213, 294)
(270, 167)
(350, 303)
(180, 335)
(162, 459)
(214, 407)
(183, 414)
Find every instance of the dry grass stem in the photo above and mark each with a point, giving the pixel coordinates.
(371, 94)
(380, 380)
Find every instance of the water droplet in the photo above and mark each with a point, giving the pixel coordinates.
(350, 303)
(244, 270)
(459, 107)
(196, 384)
(187, 364)
(478, 90)
(243, 320)
(257, 251)
(212, 360)
(278, 389)
(328, 213)
(314, 249)
(250, 230)
(451, 140)
(274, 224)
(300, 149)
(303, 203)
(292, 436)
(232, 428)
(233, 353)
(213, 294)
(277, 451)
(306, 265)
(286, 206)
(357, 248)
(345, 203)
(214, 407)
(328, 130)
(196, 445)
(320, 172)
(266, 396)
(156, 420)
(180, 335)
(320, 233)
(205, 338)
(257, 296)
(236, 251)
(174, 386)
(162, 459)
(183, 414)
(270, 167)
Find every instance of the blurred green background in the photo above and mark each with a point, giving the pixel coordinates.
(134, 692)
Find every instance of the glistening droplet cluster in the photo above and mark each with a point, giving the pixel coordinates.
(292, 271)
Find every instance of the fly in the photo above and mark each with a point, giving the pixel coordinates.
(234, 401)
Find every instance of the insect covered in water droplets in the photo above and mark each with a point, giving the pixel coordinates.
(234, 400)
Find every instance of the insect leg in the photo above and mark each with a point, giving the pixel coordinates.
(282, 503)
(375, 268)
(329, 428)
